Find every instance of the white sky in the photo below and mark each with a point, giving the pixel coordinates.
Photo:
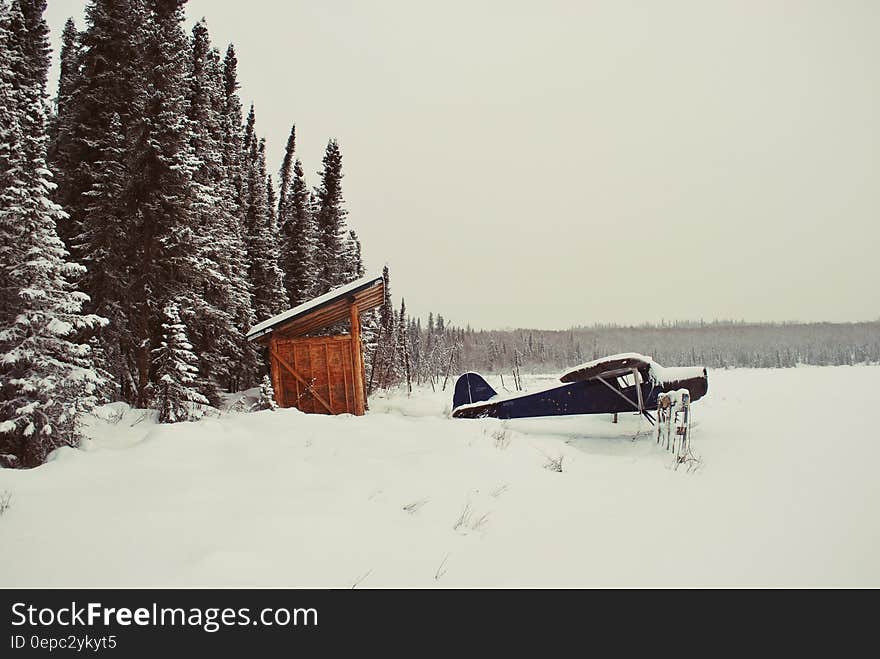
(555, 163)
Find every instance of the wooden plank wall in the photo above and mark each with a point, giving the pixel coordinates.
(327, 368)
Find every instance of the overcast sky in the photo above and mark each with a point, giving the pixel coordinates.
(556, 163)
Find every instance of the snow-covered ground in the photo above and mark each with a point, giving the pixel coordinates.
(787, 495)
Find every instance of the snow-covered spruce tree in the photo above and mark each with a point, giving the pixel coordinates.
(266, 400)
(369, 320)
(285, 175)
(28, 62)
(60, 126)
(168, 264)
(177, 394)
(403, 344)
(353, 257)
(69, 62)
(369, 336)
(380, 355)
(31, 66)
(271, 198)
(414, 346)
(101, 78)
(47, 379)
(331, 269)
(266, 276)
(100, 97)
(233, 127)
(237, 256)
(249, 139)
(296, 227)
(223, 298)
(100, 243)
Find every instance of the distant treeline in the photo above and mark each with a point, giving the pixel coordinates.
(717, 344)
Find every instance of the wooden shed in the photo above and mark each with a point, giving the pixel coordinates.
(321, 374)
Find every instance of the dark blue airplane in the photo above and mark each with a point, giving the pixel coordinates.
(619, 383)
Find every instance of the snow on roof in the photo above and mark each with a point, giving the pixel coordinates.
(311, 305)
(597, 364)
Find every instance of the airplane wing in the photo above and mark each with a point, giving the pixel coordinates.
(610, 366)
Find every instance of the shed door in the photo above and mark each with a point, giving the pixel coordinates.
(325, 364)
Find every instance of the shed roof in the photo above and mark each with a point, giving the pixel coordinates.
(331, 307)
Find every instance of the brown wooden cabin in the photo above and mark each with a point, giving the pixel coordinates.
(321, 374)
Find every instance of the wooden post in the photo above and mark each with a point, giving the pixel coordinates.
(275, 371)
(364, 380)
(357, 363)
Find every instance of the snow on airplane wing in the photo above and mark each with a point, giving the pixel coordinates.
(611, 365)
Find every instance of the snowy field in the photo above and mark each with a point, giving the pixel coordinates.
(787, 494)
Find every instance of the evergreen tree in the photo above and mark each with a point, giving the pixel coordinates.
(386, 310)
(353, 257)
(285, 176)
(223, 298)
(233, 129)
(32, 66)
(271, 197)
(47, 378)
(331, 269)
(169, 265)
(101, 78)
(69, 74)
(403, 344)
(101, 245)
(60, 126)
(237, 254)
(100, 96)
(267, 279)
(167, 193)
(250, 136)
(177, 398)
(295, 227)
(267, 396)
(382, 360)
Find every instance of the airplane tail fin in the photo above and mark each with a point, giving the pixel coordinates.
(471, 388)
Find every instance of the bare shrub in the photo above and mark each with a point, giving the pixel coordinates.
(498, 491)
(467, 521)
(358, 581)
(479, 523)
(502, 438)
(415, 506)
(463, 519)
(441, 569)
(690, 460)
